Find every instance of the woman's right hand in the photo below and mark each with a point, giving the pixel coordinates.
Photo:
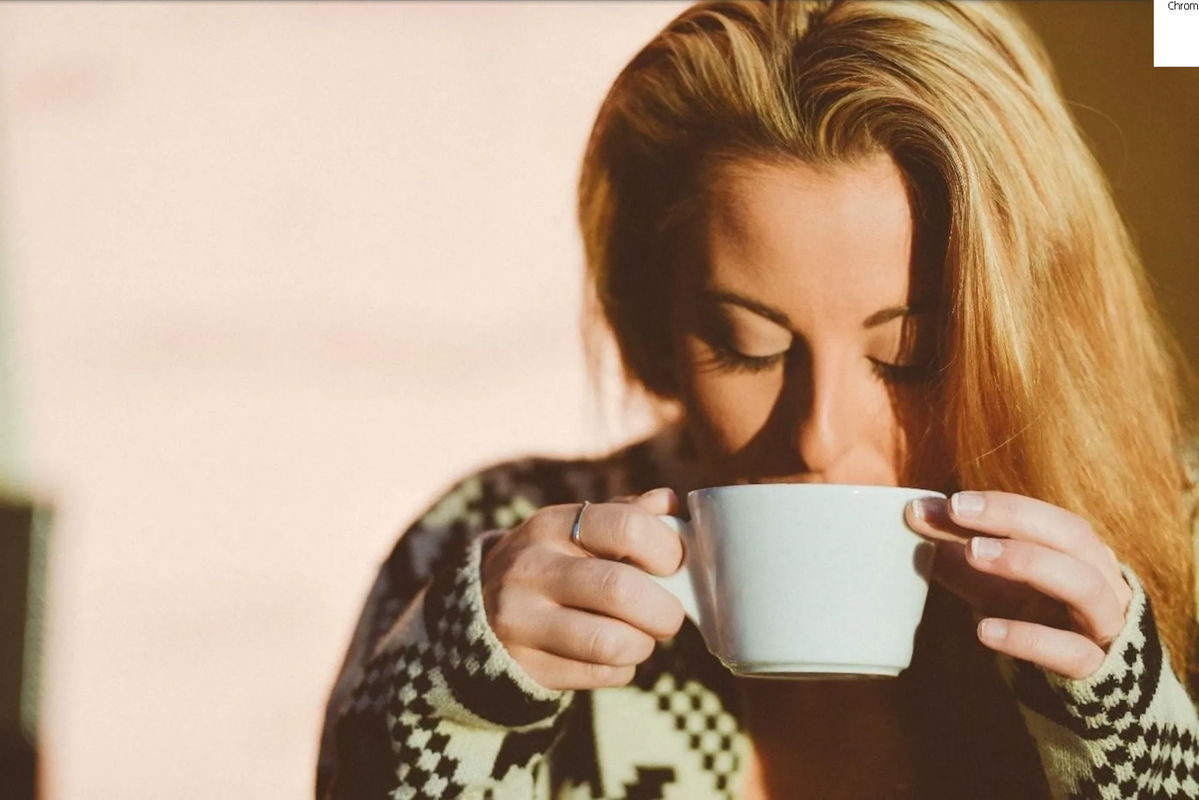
(582, 619)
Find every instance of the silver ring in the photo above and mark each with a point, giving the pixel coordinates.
(578, 526)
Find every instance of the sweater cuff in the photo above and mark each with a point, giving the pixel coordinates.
(479, 672)
(1118, 693)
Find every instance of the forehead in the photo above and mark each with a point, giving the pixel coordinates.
(811, 240)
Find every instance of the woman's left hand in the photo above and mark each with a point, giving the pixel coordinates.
(1049, 590)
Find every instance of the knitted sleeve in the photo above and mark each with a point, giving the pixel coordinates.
(430, 704)
(1129, 731)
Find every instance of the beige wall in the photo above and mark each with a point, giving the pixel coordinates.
(279, 273)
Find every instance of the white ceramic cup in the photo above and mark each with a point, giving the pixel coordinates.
(804, 580)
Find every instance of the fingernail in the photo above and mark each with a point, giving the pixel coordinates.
(994, 630)
(968, 504)
(984, 549)
(930, 509)
(660, 490)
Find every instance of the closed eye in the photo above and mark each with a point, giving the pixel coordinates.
(732, 360)
(901, 373)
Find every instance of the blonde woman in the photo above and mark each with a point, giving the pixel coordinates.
(850, 242)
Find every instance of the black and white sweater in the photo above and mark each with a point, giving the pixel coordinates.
(430, 705)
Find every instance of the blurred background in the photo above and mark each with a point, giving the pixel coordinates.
(272, 276)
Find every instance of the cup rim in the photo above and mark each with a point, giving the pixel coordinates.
(827, 488)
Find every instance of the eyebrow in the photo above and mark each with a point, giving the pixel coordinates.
(779, 318)
(761, 309)
(888, 314)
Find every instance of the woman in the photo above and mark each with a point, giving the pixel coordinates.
(857, 242)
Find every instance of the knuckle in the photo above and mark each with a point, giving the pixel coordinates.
(530, 663)
(524, 569)
(603, 647)
(617, 588)
(1035, 642)
(1082, 535)
(669, 550)
(1081, 538)
(1020, 560)
(629, 535)
(546, 523)
(534, 522)
(504, 619)
(1094, 589)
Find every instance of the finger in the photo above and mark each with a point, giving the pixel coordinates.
(524, 619)
(1093, 605)
(929, 517)
(565, 674)
(591, 638)
(1066, 653)
(619, 591)
(658, 501)
(1014, 516)
(1004, 514)
(632, 533)
(993, 595)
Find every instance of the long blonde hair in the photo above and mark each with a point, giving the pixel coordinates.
(1057, 377)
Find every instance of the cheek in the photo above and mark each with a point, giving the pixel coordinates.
(732, 409)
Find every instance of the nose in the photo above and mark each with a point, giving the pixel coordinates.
(824, 424)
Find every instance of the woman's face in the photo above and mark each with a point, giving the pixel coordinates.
(803, 345)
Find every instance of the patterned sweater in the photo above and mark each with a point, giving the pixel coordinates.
(430, 705)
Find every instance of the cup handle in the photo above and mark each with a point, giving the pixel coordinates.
(682, 583)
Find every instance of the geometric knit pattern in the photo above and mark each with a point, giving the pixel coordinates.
(711, 731)
(1128, 731)
(425, 767)
(429, 704)
(452, 697)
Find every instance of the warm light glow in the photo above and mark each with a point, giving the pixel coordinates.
(281, 273)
